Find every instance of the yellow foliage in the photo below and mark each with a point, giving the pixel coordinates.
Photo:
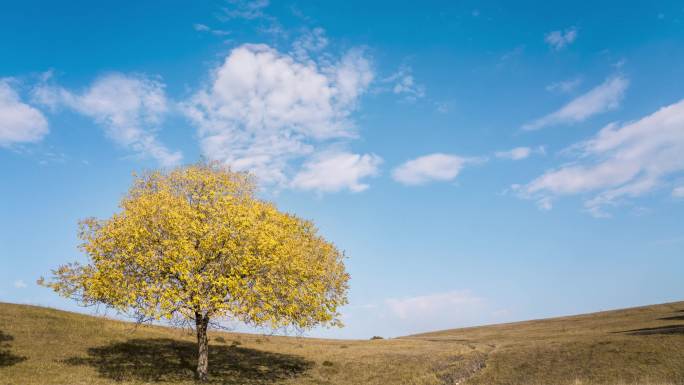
(196, 241)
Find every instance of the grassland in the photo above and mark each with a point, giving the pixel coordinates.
(632, 346)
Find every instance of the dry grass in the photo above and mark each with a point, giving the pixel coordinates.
(634, 346)
(638, 345)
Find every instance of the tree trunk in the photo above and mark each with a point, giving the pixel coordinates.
(201, 322)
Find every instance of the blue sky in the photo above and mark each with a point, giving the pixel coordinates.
(478, 162)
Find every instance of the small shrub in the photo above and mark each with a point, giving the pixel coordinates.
(376, 338)
(220, 340)
(236, 343)
(327, 363)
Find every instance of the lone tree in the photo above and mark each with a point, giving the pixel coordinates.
(195, 244)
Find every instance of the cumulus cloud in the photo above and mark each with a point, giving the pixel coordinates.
(263, 108)
(519, 153)
(561, 38)
(128, 107)
(604, 97)
(332, 172)
(621, 161)
(402, 83)
(19, 122)
(433, 167)
(20, 284)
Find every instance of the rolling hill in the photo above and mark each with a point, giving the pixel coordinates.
(643, 345)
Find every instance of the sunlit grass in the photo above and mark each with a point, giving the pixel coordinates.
(643, 346)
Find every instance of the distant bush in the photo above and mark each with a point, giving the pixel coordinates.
(220, 339)
(327, 363)
(377, 338)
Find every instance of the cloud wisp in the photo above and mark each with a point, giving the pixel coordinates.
(605, 97)
(130, 108)
(310, 42)
(435, 311)
(245, 9)
(621, 161)
(561, 38)
(403, 84)
(678, 192)
(564, 86)
(205, 28)
(427, 305)
(20, 123)
(433, 167)
(519, 153)
(332, 172)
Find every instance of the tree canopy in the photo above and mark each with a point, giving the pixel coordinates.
(195, 243)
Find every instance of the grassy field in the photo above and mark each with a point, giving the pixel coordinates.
(632, 346)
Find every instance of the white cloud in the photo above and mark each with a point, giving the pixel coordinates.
(406, 315)
(403, 84)
(564, 86)
(605, 97)
(544, 204)
(201, 27)
(444, 106)
(251, 10)
(20, 284)
(128, 107)
(428, 305)
(560, 39)
(436, 311)
(205, 28)
(678, 192)
(311, 41)
(246, 9)
(433, 167)
(511, 55)
(332, 172)
(19, 122)
(620, 161)
(264, 108)
(519, 153)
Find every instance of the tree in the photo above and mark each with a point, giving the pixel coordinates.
(195, 244)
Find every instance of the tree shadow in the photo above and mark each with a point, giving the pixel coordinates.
(163, 359)
(673, 318)
(667, 330)
(6, 356)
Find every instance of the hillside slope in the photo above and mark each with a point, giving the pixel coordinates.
(637, 345)
(632, 346)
